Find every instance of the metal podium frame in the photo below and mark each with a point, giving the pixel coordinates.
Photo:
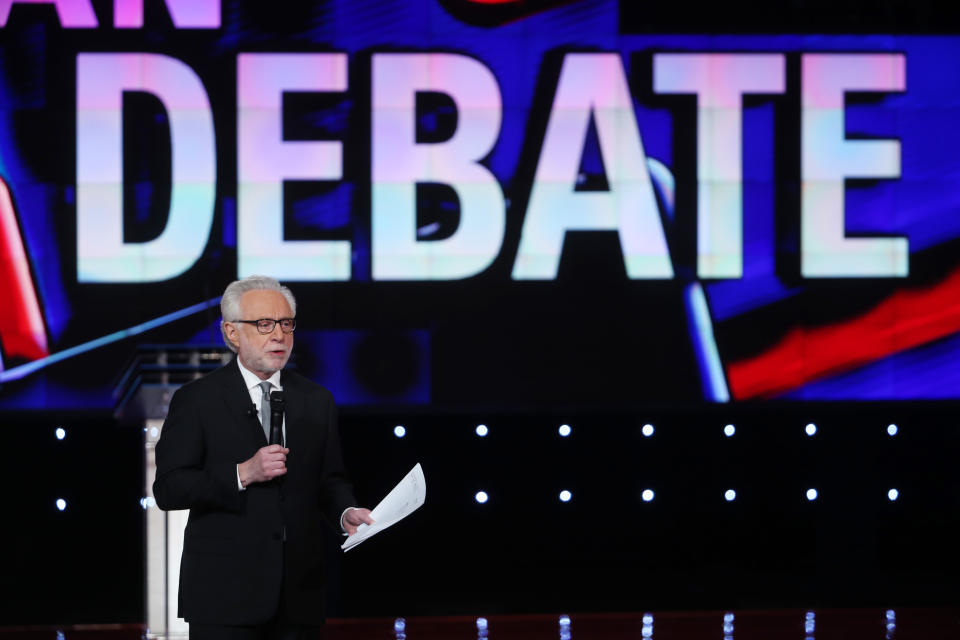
(142, 399)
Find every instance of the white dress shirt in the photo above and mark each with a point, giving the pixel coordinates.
(256, 393)
(256, 396)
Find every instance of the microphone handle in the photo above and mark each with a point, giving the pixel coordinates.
(276, 427)
(276, 418)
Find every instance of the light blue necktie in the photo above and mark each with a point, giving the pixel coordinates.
(265, 408)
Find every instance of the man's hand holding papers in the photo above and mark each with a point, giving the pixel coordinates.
(403, 499)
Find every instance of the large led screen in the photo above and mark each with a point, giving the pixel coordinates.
(500, 204)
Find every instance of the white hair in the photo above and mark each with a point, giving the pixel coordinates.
(230, 302)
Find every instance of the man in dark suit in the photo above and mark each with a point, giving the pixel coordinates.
(252, 565)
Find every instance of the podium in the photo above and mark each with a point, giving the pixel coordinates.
(142, 399)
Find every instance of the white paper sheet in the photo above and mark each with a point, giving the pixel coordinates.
(403, 499)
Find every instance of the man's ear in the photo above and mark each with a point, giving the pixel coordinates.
(231, 330)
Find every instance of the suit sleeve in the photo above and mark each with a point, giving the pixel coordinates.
(186, 477)
(336, 489)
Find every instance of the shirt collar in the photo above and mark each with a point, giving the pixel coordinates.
(253, 380)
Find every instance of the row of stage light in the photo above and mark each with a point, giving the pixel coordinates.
(888, 622)
(648, 494)
(564, 495)
(647, 430)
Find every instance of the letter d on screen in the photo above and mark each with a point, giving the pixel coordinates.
(102, 255)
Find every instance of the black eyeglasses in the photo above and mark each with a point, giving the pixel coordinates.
(266, 325)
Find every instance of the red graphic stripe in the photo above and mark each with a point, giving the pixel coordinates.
(22, 329)
(906, 319)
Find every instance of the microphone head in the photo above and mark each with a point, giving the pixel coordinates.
(276, 399)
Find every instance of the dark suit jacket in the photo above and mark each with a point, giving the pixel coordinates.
(234, 553)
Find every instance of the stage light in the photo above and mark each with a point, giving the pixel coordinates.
(400, 629)
(564, 430)
(810, 623)
(729, 430)
(61, 433)
(893, 494)
(811, 429)
(61, 504)
(728, 626)
(154, 432)
(565, 496)
(564, 621)
(565, 628)
(482, 628)
(891, 624)
(730, 495)
(399, 431)
(892, 430)
(648, 619)
(647, 495)
(482, 430)
(647, 430)
(481, 497)
(811, 494)
(647, 630)
(147, 501)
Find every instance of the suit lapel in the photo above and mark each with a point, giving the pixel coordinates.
(293, 410)
(238, 405)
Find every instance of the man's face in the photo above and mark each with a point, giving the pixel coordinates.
(262, 354)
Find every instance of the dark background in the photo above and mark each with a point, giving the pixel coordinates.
(524, 551)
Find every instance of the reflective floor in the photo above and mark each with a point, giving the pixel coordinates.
(821, 624)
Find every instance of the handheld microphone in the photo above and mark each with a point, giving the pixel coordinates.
(276, 417)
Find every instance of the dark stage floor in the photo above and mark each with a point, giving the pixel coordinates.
(822, 624)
